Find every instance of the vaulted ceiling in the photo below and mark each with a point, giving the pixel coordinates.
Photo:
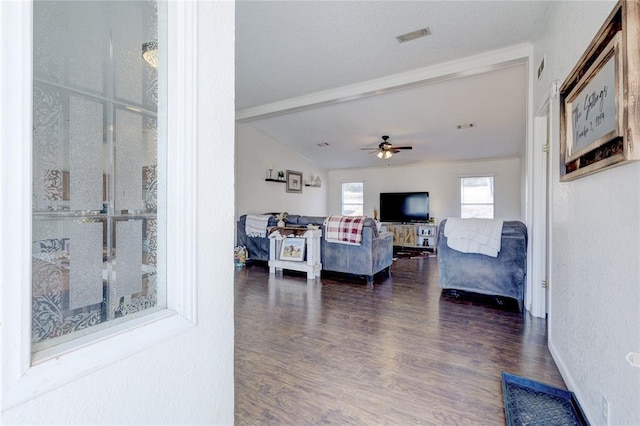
(328, 78)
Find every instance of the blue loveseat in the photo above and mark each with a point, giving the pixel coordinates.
(504, 275)
(372, 256)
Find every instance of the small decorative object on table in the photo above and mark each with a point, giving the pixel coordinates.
(280, 175)
(281, 217)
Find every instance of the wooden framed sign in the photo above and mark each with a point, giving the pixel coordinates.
(594, 108)
(597, 123)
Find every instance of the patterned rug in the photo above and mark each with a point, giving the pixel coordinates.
(532, 403)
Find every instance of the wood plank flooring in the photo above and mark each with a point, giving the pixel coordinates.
(336, 351)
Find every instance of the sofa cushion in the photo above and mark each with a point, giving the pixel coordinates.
(292, 219)
(369, 222)
(310, 220)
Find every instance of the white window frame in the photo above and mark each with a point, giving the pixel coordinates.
(24, 378)
(478, 204)
(342, 194)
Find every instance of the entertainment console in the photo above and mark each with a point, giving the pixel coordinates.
(414, 235)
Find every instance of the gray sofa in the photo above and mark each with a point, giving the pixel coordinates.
(504, 275)
(375, 254)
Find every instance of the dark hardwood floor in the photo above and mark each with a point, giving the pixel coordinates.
(336, 351)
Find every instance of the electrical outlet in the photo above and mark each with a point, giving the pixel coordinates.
(605, 409)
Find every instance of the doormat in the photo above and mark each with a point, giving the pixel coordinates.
(533, 403)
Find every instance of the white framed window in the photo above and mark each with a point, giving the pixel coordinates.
(477, 197)
(352, 198)
(99, 167)
(26, 374)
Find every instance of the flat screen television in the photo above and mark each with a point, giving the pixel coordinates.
(404, 207)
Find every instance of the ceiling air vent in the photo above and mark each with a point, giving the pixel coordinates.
(413, 35)
(465, 126)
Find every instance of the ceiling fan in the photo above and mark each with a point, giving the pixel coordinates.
(385, 150)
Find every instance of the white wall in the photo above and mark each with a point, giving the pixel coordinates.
(523, 182)
(594, 313)
(254, 153)
(188, 379)
(441, 180)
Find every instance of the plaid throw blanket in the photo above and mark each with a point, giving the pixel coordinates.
(256, 225)
(344, 229)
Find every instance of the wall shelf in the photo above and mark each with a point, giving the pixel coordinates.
(313, 185)
(274, 180)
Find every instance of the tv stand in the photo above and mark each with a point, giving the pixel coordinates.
(415, 235)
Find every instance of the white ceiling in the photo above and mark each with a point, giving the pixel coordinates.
(309, 72)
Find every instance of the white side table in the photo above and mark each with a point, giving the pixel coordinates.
(312, 266)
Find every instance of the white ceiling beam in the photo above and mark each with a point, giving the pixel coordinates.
(468, 66)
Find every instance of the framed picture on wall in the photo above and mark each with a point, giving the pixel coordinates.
(294, 181)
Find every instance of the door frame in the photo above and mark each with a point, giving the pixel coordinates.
(540, 235)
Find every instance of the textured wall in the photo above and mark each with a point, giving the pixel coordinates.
(441, 180)
(254, 152)
(189, 379)
(594, 316)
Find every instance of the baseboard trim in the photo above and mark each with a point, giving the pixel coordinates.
(570, 382)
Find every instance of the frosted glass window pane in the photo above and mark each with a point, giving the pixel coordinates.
(128, 40)
(88, 41)
(95, 167)
(48, 59)
(57, 272)
(128, 265)
(128, 130)
(48, 151)
(135, 286)
(86, 135)
(85, 252)
(50, 257)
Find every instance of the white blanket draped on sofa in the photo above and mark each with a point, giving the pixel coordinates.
(474, 235)
(256, 225)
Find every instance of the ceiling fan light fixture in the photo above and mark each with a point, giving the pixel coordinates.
(150, 53)
(384, 155)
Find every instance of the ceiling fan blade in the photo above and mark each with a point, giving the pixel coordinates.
(402, 147)
(369, 149)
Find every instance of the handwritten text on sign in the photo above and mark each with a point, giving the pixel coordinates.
(593, 110)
